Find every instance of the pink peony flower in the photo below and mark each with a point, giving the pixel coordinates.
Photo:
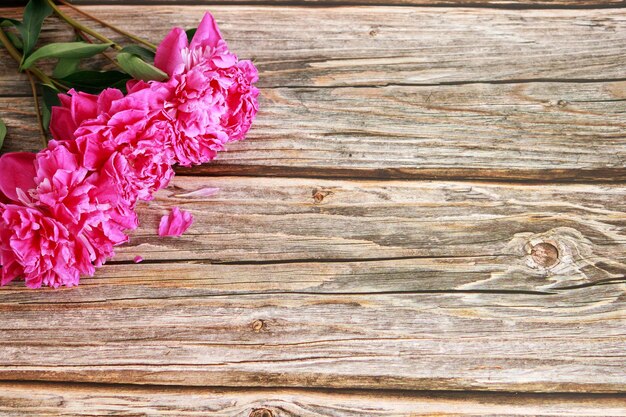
(213, 99)
(176, 223)
(38, 248)
(88, 203)
(133, 128)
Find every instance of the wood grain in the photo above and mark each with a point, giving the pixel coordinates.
(447, 3)
(536, 131)
(346, 284)
(17, 399)
(348, 46)
(570, 341)
(252, 219)
(353, 283)
(541, 131)
(450, 3)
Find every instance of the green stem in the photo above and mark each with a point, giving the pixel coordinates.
(82, 27)
(42, 128)
(110, 26)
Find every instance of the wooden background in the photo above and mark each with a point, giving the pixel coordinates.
(428, 218)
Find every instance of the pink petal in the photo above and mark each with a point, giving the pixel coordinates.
(107, 97)
(138, 259)
(136, 85)
(175, 223)
(65, 99)
(17, 172)
(62, 125)
(207, 34)
(84, 106)
(168, 55)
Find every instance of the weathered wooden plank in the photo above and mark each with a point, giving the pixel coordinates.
(451, 3)
(346, 46)
(186, 334)
(538, 131)
(18, 399)
(270, 220)
(346, 284)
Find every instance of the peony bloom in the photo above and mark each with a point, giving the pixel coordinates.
(88, 203)
(176, 223)
(213, 99)
(38, 248)
(131, 128)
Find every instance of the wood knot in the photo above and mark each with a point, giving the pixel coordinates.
(261, 412)
(258, 325)
(545, 254)
(319, 195)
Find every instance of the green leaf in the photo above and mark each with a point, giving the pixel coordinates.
(144, 53)
(138, 68)
(65, 67)
(95, 81)
(190, 33)
(65, 50)
(5, 22)
(50, 98)
(34, 14)
(3, 132)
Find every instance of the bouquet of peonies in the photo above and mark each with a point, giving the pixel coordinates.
(63, 210)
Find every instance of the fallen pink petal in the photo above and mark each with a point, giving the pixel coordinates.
(175, 223)
(138, 259)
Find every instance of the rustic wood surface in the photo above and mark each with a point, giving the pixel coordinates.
(492, 3)
(548, 121)
(308, 283)
(432, 199)
(477, 131)
(366, 46)
(46, 400)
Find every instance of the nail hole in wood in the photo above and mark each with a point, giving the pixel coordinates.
(545, 254)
